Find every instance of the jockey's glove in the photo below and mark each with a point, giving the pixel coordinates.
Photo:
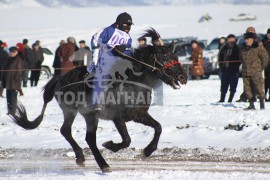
(121, 47)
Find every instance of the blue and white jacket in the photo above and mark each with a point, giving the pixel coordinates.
(111, 36)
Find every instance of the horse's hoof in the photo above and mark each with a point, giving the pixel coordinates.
(106, 169)
(107, 145)
(80, 163)
(143, 156)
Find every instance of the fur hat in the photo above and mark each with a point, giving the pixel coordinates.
(249, 35)
(230, 36)
(251, 29)
(13, 49)
(71, 40)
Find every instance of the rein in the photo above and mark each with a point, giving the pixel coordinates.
(164, 66)
(131, 58)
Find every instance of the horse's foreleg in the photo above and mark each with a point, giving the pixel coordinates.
(66, 132)
(147, 120)
(122, 129)
(92, 123)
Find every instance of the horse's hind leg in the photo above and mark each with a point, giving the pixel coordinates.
(147, 120)
(69, 117)
(122, 129)
(92, 124)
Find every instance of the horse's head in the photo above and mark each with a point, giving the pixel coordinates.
(161, 57)
(169, 69)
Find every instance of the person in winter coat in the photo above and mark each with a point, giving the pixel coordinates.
(67, 54)
(197, 60)
(3, 64)
(20, 48)
(13, 78)
(28, 58)
(243, 97)
(229, 64)
(112, 39)
(142, 42)
(267, 70)
(222, 42)
(36, 68)
(254, 60)
(57, 59)
(83, 55)
(95, 50)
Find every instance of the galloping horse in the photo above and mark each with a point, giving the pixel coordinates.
(155, 63)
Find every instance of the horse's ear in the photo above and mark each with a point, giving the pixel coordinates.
(171, 46)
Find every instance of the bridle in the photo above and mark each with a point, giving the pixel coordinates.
(165, 66)
(154, 68)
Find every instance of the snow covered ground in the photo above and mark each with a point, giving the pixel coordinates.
(204, 141)
(193, 123)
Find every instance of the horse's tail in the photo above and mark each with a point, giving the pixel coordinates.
(20, 115)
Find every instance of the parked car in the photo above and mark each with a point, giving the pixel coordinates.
(183, 50)
(243, 17)
(46, 67)
(241, 40)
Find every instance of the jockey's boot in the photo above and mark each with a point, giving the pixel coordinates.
(231, 97)
(262, 104)
(251, 105)
(98, 107)
(222, 97)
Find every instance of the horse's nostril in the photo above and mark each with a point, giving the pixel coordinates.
(180, 77)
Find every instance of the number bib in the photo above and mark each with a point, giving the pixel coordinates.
(119, 37)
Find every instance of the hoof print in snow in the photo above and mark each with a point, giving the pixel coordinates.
(263, 126)
(235, 127)
(184, 127)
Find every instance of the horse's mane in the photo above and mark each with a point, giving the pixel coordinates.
(152, 33)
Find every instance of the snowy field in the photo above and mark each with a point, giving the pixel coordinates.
(193, 144)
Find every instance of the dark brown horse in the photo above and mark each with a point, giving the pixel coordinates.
(74, 92)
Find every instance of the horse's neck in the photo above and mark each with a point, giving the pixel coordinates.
(146, 78)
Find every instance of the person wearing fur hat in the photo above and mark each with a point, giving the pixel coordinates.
(67, 54)
(267, 70)
(197, 60)
(243, 97)
(254, 60)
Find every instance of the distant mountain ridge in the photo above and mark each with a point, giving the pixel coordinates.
(89, 3)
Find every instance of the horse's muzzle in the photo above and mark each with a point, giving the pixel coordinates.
(182, 79)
